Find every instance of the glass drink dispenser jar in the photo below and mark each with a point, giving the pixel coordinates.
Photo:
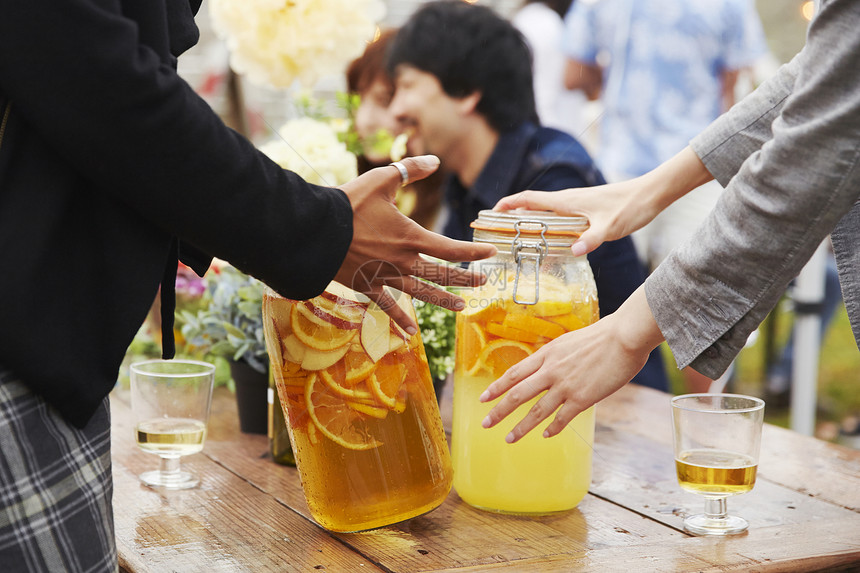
(536, 290)
(362, 415)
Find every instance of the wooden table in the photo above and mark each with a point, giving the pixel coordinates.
(249, 514)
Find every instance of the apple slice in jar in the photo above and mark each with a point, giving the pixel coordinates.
(395, 342)
(326, 313)
(273, 344)
(279, 309)
(294, 350)
(375, 330)
(321, 359)
(341, 313)
(342, 295)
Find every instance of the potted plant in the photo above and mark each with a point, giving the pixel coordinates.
(229, 324)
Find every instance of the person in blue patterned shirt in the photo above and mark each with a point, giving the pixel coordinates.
(663, 70)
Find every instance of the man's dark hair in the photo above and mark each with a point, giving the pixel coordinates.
(470, 49)
(560, 7)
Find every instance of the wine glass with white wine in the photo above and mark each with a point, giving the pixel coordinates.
(717, 440)
(170, 400)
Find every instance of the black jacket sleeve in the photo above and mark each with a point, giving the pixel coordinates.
(94, 78)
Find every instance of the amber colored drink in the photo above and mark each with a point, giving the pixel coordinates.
(715, 472)
(363, 417)
(536, 475)
(171, 436)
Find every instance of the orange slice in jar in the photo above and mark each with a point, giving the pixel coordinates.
(487, 305)
(510, 333)
(334, 377)
(295, 381)
(335, 419)
(400, 401)
(499, 355)
(291, 369)
(568, 321)
(372, 411)
(552, 307)
(358, 366)
(315, 332)
(386, 380)
(534, 325)
(471, 345)
(364, 397)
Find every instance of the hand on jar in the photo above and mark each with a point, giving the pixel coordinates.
(386, 245)
(576, 370)
(617, 209)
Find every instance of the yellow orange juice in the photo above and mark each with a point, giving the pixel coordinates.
(536, 475)
(363, 418)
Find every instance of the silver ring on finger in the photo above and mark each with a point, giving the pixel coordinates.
(404, 173)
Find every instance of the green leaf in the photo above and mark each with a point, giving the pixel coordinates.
(233, 331)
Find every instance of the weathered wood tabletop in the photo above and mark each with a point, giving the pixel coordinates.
(249, 514)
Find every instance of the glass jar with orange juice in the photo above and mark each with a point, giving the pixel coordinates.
(536, 290)
(362, 414)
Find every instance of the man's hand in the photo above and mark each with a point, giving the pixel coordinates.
(386, 246)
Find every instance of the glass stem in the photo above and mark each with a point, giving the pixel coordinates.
(169, 467)
(715, 507)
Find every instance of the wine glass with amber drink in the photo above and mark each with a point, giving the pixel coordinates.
(170, 400)
(717, 439)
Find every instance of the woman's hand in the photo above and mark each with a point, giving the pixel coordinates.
(609, 209)
(386, 246)
(576, 370)
(617, 209)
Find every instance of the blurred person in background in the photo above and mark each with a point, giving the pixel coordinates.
(663, 70)
(463, 81)
(377, 127)
(542, 24)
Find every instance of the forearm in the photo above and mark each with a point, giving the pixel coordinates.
(581, 76)
(671, 181)
(636, 329)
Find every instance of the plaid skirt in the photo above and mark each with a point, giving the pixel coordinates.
(55, 487)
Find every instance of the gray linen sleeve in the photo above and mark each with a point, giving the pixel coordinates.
(789, 190)
(737, 134)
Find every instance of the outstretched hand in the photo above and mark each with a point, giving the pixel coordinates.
(610, 210)
(576, 370)
(617, 209)
(387, 246)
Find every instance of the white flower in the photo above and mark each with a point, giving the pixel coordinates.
(311, 149)
(275, 42)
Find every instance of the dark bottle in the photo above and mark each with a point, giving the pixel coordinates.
(279, 436)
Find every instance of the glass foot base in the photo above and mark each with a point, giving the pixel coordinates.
(172, 480)
(702, 524)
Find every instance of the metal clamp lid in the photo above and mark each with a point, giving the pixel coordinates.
(520, 250)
